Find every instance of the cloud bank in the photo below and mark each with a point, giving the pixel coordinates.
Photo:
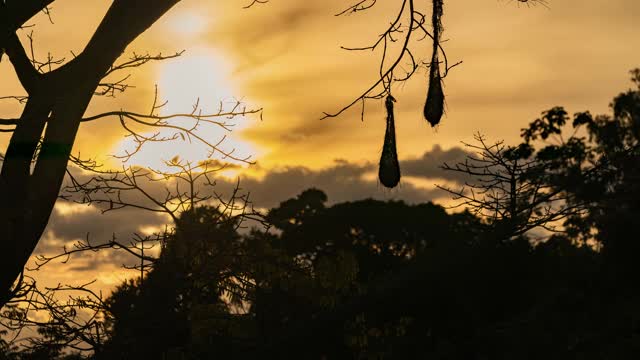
(344, 181)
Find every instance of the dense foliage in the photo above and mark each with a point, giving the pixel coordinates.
(372, 279)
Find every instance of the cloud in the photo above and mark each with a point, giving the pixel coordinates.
(72, 222)
(100, 227)
(286, 57)
(343, 181)
(429, 164)
(267, 32)
(346, 181)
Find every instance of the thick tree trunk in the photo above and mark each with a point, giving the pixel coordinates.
(14, 13)
(57, 102)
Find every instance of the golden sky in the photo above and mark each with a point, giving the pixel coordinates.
(285, 57)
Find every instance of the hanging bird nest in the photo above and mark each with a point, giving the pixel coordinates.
(389, 171)
(434, 105)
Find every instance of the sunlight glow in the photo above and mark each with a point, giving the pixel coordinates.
(149, 230)
(188, 23)
(68, 209)
(197, 77)
(229, 174)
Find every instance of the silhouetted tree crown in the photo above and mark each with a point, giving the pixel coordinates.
(373, 279)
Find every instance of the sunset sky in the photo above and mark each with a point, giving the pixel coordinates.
(285, 57)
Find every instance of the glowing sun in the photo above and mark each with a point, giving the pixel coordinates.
(200, 77)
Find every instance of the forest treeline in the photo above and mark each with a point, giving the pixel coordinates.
(544, 265)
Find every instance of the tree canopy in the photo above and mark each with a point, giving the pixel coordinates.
(374, 279)
(541, 260)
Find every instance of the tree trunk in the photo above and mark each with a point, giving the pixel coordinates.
(57, 102)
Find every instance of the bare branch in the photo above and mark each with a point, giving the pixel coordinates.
(255, 2)
(27, 74)
(403, 28)
(510, 192)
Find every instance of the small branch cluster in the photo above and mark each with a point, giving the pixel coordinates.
(110, 88)
(407, 27)
(509, 189)
(255, 2)
(46, 65)
(79, 321)
(75, 322)
(166, 129)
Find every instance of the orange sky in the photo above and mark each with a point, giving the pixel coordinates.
(285, 57)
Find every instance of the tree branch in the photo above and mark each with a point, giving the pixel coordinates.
(14, 14)
(27, 74)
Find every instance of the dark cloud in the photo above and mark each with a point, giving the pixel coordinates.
(100, 227)
(344, 181)
(430, 164)
(89, 223)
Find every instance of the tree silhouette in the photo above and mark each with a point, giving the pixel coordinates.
(365, 279)
(51, 116)
(155, 315)
(597, 170)
(372, 279)
(75, 313)
(323, 260)
(357, 280)
(7, 352)
(35, 162)
(509, 187)
(58, 93)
